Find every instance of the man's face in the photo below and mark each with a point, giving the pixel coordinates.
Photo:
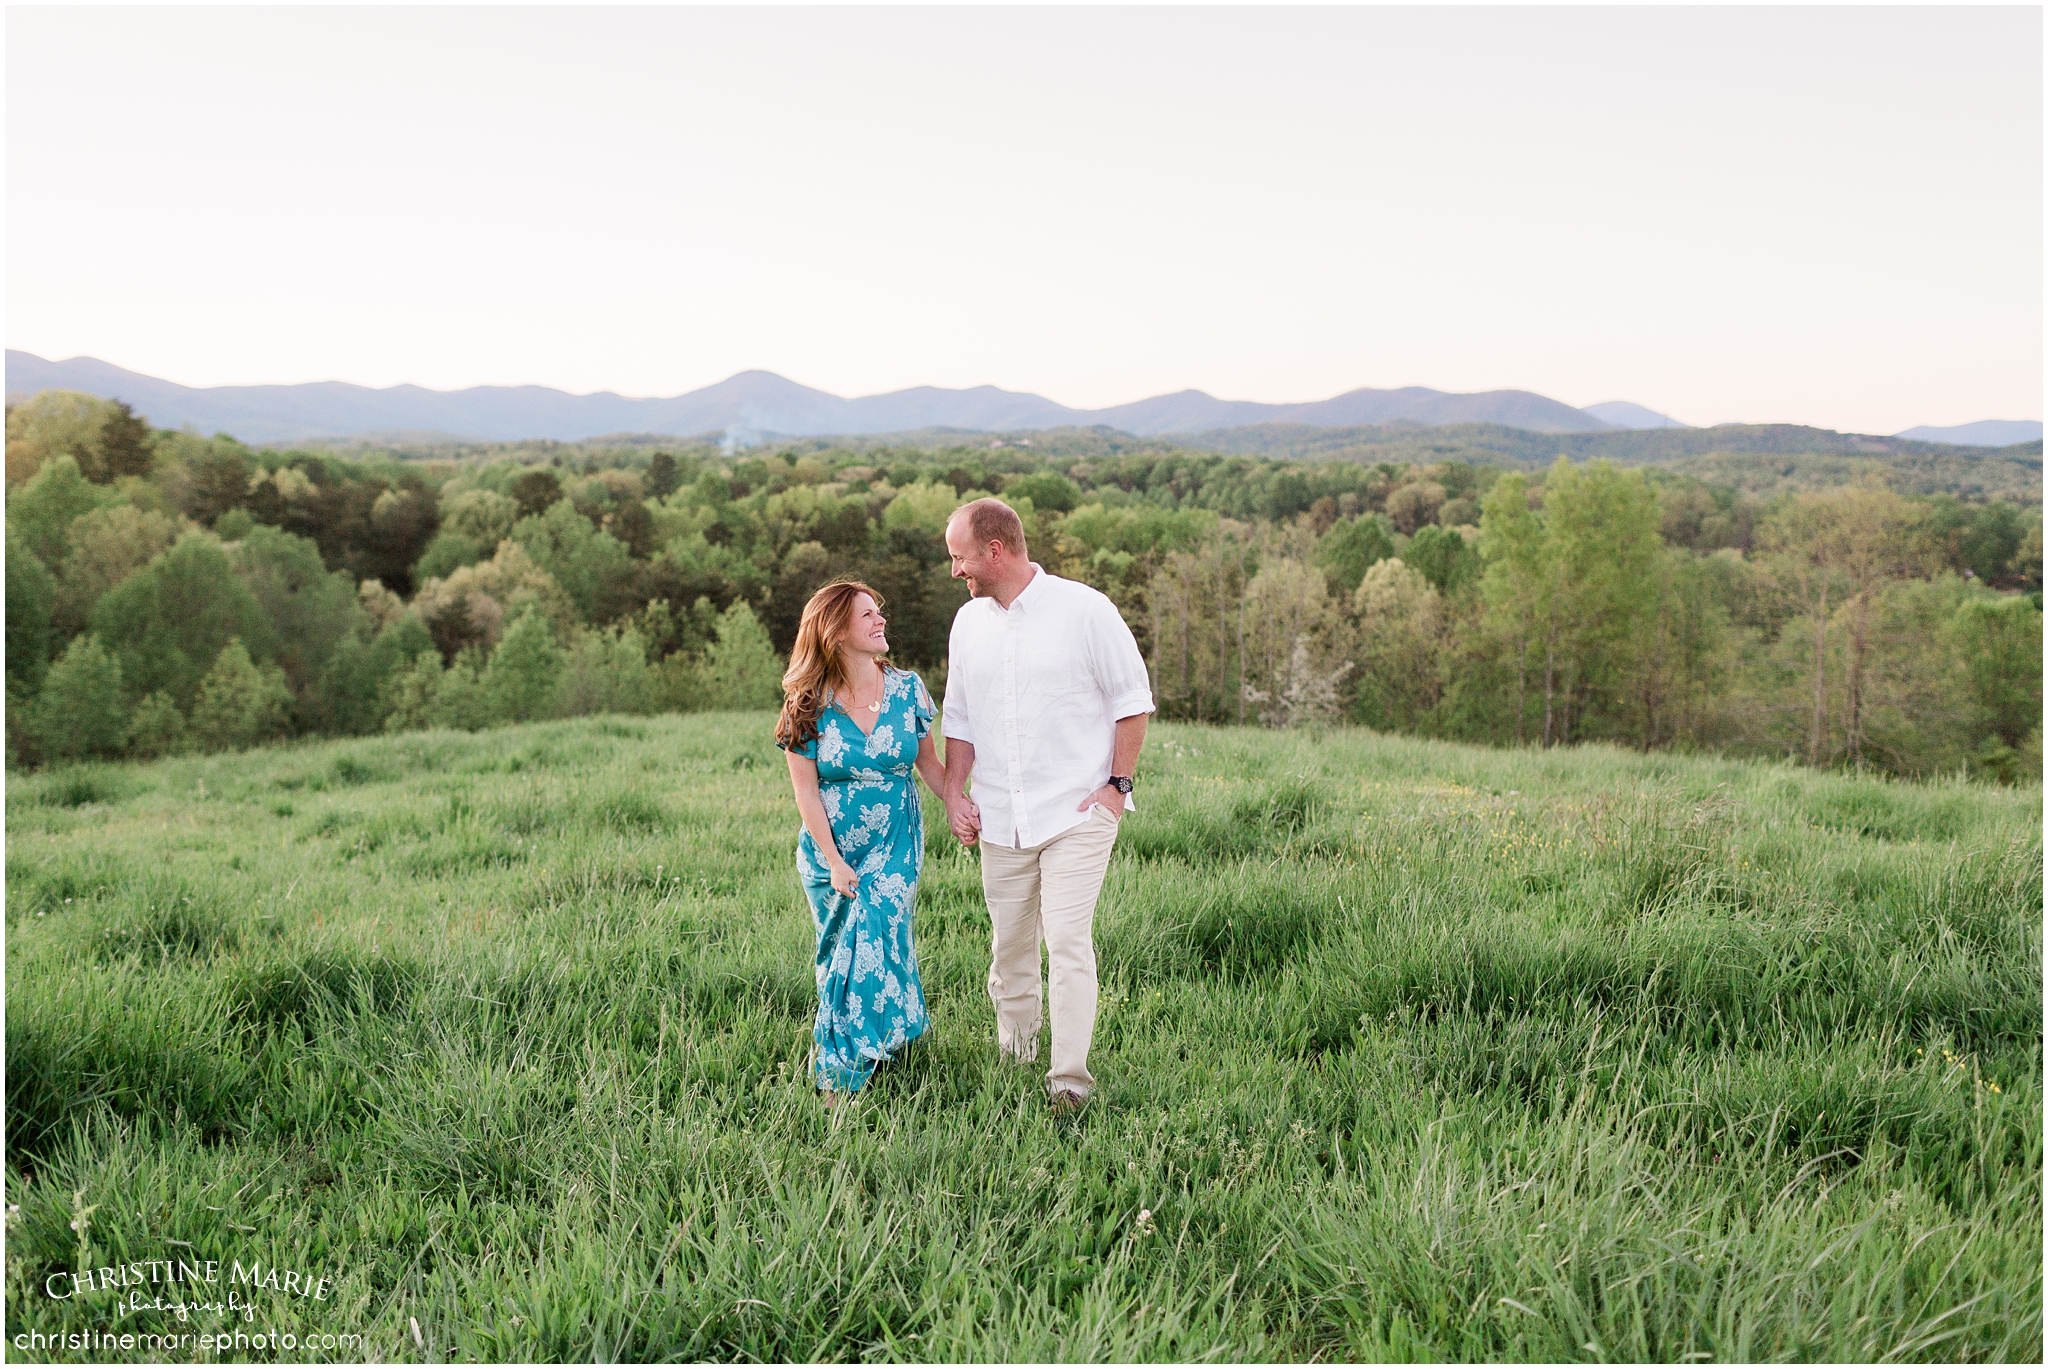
(971, 563)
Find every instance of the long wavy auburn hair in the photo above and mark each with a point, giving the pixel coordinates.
(815, 668)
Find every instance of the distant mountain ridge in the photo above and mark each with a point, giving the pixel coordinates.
(1619, 413)
(757, 404)
(1987, 432)
(752, 402)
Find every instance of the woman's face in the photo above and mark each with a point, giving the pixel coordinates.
(867, 632)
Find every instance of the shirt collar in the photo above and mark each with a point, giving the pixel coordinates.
(1028, 595)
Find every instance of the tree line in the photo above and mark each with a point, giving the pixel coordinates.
(167, 591)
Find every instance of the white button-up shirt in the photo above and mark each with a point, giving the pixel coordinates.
(1037, 689)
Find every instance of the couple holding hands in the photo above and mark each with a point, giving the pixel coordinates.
(1047, 699)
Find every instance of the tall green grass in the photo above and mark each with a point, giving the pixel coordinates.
(1407, 1051)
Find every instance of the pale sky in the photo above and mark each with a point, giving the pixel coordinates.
(1827, 216)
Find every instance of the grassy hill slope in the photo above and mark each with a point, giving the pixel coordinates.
(1406, 1050)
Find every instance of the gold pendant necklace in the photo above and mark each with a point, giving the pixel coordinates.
(876, 706)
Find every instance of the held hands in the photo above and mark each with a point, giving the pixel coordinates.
(963, 815)
(845, 880)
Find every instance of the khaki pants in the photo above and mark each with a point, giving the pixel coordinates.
(1047, 892)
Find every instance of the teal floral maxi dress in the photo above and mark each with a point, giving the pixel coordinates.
(870, 1002)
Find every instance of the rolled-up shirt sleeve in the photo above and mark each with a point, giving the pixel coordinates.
(953, 715)
(1118, 664)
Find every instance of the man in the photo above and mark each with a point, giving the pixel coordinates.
(1047, 699)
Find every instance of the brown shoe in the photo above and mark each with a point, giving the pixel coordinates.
(1066, 1102)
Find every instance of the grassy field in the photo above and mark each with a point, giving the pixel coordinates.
(1408, 1051)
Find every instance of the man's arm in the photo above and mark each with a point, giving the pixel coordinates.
(1119, 669)
(963, 815)
(961, 812)
(1123, 760)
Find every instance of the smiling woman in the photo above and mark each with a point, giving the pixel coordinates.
(853, 728)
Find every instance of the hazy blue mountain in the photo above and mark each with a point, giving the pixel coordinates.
(1193, 411)
(752, 402)
(1619, 413)
(1988, 432)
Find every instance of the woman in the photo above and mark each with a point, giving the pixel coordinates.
(853, 727)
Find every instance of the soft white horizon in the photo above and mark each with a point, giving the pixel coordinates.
(1826, 216)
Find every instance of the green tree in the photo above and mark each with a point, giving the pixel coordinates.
(103, 436)
(1843, 545)
(240, 703)
(1570, 588)
(41, 511)
(31, 596)
(521, 678)
(205, 476)
(449, 552)
(605, 670)
(310, 609)
(171, 619)
(353, 692)
(589, 565)
(472, 606)
(107, 546)
(81, 711)
(127, 444)
(347, 698)
(535, 492)
(662, 478)
(399, 642)
(1444, 558)
(412, 694)
(742, 669)
(484, 516)
(1353, 547)
(157, 729)
(1677, 647)
(1295, 648)
(633, 526)
(464, 700)
(1920, 717)
(1403, 642)
(1197, 626)
(925, 507)
(1601, 525)
(1513, 587)
(1999, 642)
(1414, 504)
(1045, 489)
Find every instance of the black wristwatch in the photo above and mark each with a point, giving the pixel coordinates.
(1120, 783)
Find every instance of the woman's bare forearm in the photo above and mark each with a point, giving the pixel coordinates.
(803, 778)
(929, 768)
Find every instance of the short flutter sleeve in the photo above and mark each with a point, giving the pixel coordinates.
(921, 706)
(808, 750)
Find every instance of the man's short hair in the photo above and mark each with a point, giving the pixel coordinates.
(991, 520)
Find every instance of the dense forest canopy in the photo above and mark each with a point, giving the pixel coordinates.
(1844, 606)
